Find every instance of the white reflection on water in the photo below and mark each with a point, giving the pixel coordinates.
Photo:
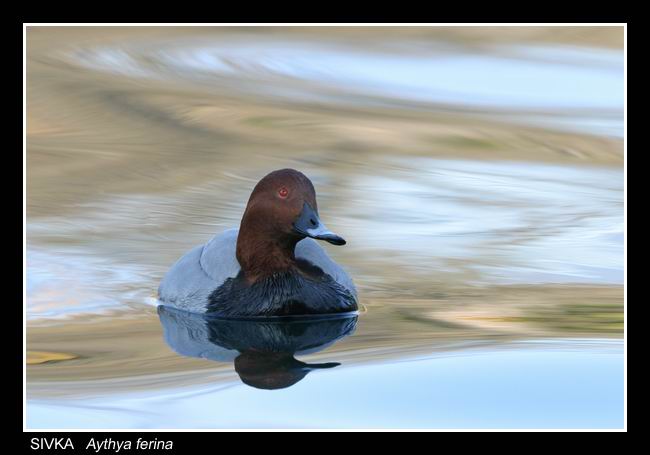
(67, 283)
(558, 384)
(582, 88)
(518, 222)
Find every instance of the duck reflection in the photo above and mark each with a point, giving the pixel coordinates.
(262, 350)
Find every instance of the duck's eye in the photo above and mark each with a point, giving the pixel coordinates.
(283, 192)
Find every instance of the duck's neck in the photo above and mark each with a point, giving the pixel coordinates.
(261, 255)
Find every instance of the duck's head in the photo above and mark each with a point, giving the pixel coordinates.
(281, 211)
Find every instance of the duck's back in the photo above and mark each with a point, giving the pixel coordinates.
(194, 277)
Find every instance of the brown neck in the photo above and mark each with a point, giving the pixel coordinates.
(261, 254)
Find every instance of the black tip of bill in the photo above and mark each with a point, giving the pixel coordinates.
(332, 238)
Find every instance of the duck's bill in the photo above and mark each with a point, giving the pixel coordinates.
(309, 224)
(322, 233)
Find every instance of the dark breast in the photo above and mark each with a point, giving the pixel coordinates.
(306, 290)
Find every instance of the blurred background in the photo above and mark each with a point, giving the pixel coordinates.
(476, 173)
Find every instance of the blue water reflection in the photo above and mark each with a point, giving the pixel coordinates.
(535, 384)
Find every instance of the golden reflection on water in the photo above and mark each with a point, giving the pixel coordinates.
(466, 221)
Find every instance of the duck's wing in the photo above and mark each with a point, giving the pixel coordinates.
(219, 257)
(186, 285)
(311, 250)
(190, 281)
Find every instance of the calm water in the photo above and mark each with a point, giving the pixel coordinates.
(477, 175)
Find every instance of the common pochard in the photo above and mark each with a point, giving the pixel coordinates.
(270, 266)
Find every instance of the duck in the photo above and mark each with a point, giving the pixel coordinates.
(271, 266)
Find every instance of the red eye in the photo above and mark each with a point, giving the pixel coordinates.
(283, 192)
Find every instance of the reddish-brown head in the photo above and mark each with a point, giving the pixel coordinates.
(281, 211)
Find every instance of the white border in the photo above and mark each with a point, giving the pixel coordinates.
(307, 24)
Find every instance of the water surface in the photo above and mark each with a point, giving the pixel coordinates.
(477, 175)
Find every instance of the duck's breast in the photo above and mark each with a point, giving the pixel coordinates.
(311, 250)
